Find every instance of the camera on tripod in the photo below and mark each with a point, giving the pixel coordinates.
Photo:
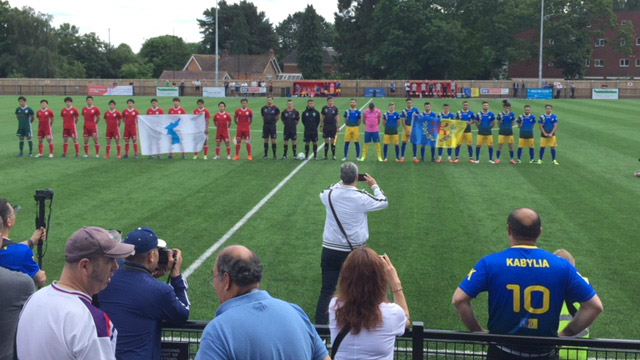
(42, 195)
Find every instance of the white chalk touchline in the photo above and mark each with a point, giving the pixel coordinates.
(207, 254)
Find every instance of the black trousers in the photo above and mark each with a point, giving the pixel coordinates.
(331, 264)
(494, 353)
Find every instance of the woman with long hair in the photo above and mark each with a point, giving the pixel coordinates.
(362, 307)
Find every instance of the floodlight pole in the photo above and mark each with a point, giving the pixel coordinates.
(541, 40)
(217, 55)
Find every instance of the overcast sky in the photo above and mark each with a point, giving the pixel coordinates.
(133, 21)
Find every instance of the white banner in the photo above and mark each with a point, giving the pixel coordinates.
(213, 92)
(167, 91)
(107, 90)
(605, 94)
(163, 134)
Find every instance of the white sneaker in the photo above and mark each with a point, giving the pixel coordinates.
(38, 156)
(344, 159)
(491, 162)
(216, 157)
(97, 156)
(228, 157)
(85, 156)
(51, 156)
(195, 157)
(205, 157)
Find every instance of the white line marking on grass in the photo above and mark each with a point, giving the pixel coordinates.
(207, 254)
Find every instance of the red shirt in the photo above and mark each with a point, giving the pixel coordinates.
(112, 118)
(91, 116)
(157, 111)
(69, 117)
(130, 117)
(222, 121)
(207, 114)
(244, 118)
(178, 111)
(45, 117)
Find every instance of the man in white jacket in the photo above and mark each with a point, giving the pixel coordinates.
(346, 227)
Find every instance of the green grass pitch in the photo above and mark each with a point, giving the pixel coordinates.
(441, 220)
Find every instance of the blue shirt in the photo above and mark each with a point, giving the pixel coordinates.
(137, 304)
(527, 287)
(466, 116)
(484, 122)
(447, 116)
(409, 114)
(527, 122)
(506, 123)
(18, 257)
(548, 122)
(256, 326)
(392, 120)
(353, 117)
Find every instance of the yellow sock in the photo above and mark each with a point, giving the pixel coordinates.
(379, 150)
(366, 150)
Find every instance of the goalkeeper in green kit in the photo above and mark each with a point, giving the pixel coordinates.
(25, 116)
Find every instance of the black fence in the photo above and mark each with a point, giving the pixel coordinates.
(182, 343)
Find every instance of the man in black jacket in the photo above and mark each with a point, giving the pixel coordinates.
(311, 120)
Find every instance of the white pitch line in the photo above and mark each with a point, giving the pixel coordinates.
(207, 254)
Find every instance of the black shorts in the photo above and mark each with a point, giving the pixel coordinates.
(269, 131)
(290, 134)
(329, 133)
(311, 136)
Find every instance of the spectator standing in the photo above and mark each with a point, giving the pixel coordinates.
(250, 324)
(523, 89)
(181, 88)
(346, 228)
(573, 90)
(527, 287)
(407, 89)
(361, 314)
(16, 289)
(515, 89)
(198, 85)
(270, 88)
(59, 322)
(19, 256)
(137, 303)
(392, 88)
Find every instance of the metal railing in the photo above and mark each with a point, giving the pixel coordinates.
(417, 343)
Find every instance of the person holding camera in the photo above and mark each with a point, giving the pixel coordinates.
(346, 227)
(137, 303)
(19, 256)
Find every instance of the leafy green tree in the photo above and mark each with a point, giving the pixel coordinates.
(288, 30)
(165, 52)
(119, 56)
(353, 39)
(310, 45)
(261, 36)
(239, 37)
(136, 70)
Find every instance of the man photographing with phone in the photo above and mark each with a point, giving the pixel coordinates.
(346, 227)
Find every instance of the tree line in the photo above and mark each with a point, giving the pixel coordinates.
(375, 39)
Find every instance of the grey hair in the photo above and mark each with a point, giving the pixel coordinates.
(348, 173)
(243, 272)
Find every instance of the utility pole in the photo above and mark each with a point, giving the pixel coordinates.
(541, 40)
(217, 54)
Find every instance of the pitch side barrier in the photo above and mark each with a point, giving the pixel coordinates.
(181, 342)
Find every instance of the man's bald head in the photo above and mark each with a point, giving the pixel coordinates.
(565, 255)
(524, 225)
(243, 265)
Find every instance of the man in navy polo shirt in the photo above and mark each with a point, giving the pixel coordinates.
(137, 303)
(249, 323)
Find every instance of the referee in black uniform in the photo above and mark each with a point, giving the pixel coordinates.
(311, 121)
(329, 126)
(290, 118)
(269, 114)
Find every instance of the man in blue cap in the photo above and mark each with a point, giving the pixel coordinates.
(137, 303)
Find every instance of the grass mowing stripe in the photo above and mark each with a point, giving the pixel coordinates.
(207, 254)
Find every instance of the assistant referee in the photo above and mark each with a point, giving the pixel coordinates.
(346, 228)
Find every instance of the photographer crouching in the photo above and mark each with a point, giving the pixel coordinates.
(346, 228)
(137, 303)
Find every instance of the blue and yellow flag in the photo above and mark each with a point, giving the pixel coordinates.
(450, 133)
(424, 130)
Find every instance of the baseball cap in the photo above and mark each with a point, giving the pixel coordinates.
(144, 240)
(93, 241)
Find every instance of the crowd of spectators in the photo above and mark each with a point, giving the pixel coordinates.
(108, 303)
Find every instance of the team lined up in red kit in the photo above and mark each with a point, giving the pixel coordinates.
(243, 118)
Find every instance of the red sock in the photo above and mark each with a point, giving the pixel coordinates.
(77, 146)
(108, 150)
(135, 148)
(206, 150)
(217, 150)
(65, 149)
(228, 150)
(41, 148)
(51, 148)
(196, 154)
(184, 154)
(86, 150)
(97, 149)
(249, 148)
(237, 149)
(126, 149)
(170, 154)
(119, 147)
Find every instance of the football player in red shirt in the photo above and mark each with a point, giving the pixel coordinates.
(207, 116)
(45, 117)
(113, 118)
(91, 116)
(222, 120)
(177, 110)
(155, 110)
(70, 117)
(243, 118)
(130, 116)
